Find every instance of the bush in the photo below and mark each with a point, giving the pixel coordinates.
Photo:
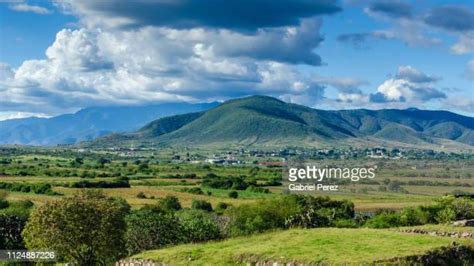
(385, 220)
(193, 190)
(4, 204)
(396, 186)
(117, 183)
(319, 212)
(446, 209)
(148, 229)
(198, 226)
(262, 215)
(413, 216)
(345, 223)
(141, 195)
(463, 208)
(221, 207)
(201, 205)
(169, 203)
(231, 182)
(233, 194)
(39, 188)
(445, 216)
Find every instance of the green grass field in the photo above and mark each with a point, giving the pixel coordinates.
(308, 246)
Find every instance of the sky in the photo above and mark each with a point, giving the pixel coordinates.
(60, 56)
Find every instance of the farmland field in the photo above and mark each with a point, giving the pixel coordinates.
(158, 175)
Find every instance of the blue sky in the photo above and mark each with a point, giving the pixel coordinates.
(57, 57)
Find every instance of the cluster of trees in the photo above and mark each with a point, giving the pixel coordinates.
(232, 182)
(117, 183)
(445, 210)
(287, 212)
(39, 188)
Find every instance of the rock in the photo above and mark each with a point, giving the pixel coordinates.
(469, 222)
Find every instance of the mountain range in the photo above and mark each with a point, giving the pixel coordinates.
(266, 121)
(88, 123)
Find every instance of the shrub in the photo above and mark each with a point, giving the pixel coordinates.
(446, 215)
(345, 223)
(396, 186)
(198, 226)
(385, 220)
(231, 182)
(262, 215)
(222, 206)
(117, 183)
(148, 229)
(463, 208)
(201, 205)
(20, 208)
(193, 190)
(233, 194)
(39, 188)
(320, 211)
(4, 204)
(141, 195)
(169, 203)
(413, 216)
(445, 210)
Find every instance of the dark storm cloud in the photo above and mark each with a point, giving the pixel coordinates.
(241, 15)
(394, 9)
(451, 17)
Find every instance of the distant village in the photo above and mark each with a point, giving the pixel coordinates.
(279, 156)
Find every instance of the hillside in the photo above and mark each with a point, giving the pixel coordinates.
(329, 246)
(88, 123)
(266, 121)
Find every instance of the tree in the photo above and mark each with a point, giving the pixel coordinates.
(201, 205)
(10, 231)
(233, 194)
(86, 229)
(102, 161)
(169, 203)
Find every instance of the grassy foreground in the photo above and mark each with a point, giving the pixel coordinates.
(324, 245)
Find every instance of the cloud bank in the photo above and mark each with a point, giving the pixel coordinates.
(168, 51)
